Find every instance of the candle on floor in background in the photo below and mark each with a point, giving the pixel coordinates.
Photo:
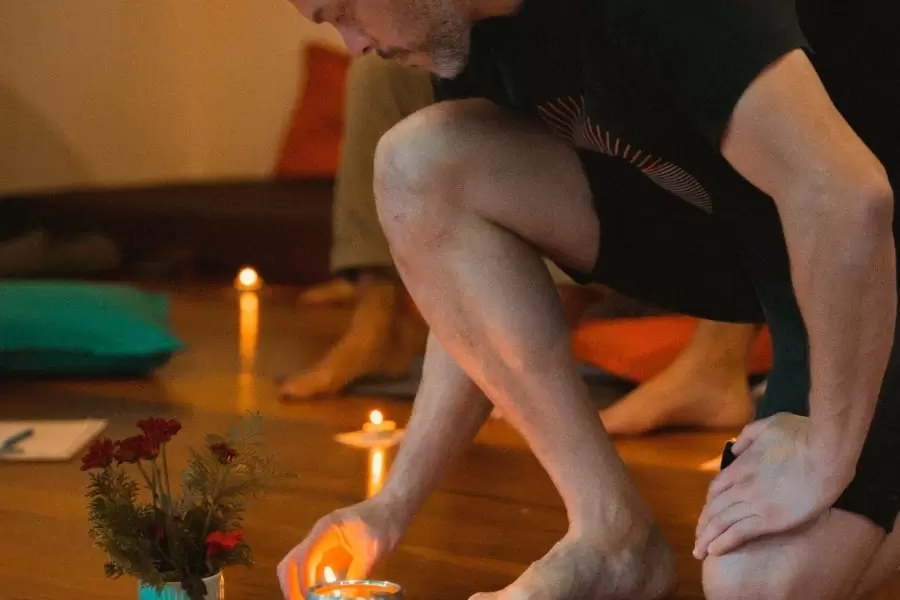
(375, 480)
(248, 280)
(377, 426)
(376, 433)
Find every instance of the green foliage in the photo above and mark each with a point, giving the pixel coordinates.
(165, 539)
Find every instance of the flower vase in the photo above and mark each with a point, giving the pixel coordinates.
(215, 590)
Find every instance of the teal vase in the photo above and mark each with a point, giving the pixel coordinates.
(215, 590)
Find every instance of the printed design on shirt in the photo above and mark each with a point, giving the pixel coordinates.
(566, 117)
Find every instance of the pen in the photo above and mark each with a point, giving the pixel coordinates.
(10, 443)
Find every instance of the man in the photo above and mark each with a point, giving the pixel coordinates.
(705, 387)
(685, 153)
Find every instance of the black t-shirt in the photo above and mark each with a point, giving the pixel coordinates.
(652, 83)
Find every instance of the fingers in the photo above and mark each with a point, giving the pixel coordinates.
(718, 523)
(739, 533)
(289, 579)
(296, 572)
(750, 433)
(360, 567)
(740, 472)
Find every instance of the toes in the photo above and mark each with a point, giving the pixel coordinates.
(304, 386)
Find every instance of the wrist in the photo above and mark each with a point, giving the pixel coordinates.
(397, 506)
(835, 452)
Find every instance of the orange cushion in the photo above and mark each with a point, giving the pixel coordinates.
(311, 148)
(638, 349)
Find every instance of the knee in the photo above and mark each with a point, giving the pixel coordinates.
(738, 577)
(419, 168)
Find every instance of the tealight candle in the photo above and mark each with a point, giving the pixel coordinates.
(378, 426)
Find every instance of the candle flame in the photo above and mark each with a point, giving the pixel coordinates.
(330, 577)
(376, 417)
(248, 277)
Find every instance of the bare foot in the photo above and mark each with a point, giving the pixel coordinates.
(705, 387)
(375, 345)
(683, 396)
(577, 569)
(334, 291)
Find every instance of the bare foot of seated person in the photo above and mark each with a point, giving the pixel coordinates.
(705, 387)
(383, 337)
(334, 291)
(380, 342)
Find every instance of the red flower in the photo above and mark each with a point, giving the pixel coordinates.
(100, 455)
(224, 452)
(159, 431)
(135, 448)
(157, 531)
(218, 543)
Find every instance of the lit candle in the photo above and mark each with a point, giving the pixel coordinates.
(248, 280)
(377, 426)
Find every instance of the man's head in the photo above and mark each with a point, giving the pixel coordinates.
(433, 34)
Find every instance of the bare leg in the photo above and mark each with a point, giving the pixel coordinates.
(705, 387)
(380, 341)
(882, 566)
(460, 188)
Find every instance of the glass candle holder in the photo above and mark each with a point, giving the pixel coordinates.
(365, 589)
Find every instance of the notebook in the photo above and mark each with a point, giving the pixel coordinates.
(56, 441)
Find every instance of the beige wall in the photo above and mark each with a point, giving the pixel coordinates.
(125, 92)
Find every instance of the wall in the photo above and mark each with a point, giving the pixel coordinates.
(98, 93)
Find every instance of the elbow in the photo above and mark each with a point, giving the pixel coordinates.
(859, 208)
(875, 210)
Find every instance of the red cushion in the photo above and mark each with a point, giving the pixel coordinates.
(311, 148)
(638, 349)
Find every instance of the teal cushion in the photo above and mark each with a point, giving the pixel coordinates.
(52, 328)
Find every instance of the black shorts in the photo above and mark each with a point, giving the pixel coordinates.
(659, 249)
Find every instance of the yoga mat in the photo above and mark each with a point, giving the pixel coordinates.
(604, 387)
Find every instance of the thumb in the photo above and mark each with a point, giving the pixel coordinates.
(361, 565)
(749, 434)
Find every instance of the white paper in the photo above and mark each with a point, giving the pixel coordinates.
(52, 440)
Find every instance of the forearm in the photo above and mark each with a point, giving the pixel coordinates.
(845, 279)
(448, 412)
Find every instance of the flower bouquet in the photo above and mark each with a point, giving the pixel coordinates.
(168, 542)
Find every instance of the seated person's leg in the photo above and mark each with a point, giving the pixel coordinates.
(380, 340)
(470, 198)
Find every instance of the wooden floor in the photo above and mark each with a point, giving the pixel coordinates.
(495, 513)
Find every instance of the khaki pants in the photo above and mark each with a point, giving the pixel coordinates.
(380, 94)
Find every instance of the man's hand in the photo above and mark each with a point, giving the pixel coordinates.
(350, 541)
(777, 482)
